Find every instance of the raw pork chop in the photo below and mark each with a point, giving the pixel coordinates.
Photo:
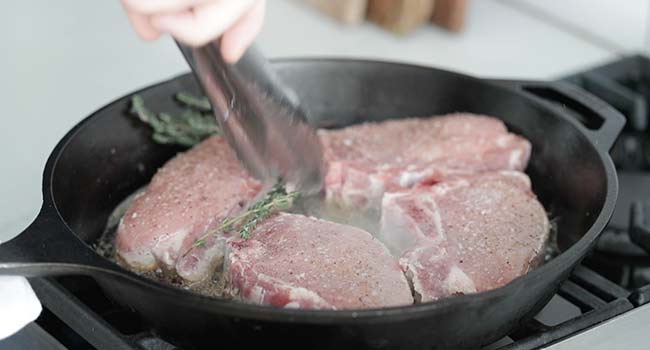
(368, 159)
(191, 194)
(467, 235)
(302, 262)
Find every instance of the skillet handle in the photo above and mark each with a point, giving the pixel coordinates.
(48, 248)
(600, 121)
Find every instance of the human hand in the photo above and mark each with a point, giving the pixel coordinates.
(196, 22)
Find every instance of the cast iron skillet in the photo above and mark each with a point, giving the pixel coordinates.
(109, 155)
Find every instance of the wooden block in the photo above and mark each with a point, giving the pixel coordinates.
(346, 11)
(400, 16)
(450, 14)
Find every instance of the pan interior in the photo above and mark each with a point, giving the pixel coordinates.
(112, 154)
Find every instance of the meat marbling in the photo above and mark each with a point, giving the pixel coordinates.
(467, 235)
(302, 262)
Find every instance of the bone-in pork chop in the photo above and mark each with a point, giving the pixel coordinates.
(467, 235)
(191, 194)
(367, 159)
(302, 262)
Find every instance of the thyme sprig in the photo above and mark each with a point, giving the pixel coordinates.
(275, 200)
(191, 126)
(200, 103)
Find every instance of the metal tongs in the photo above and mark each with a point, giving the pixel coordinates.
(262, 123)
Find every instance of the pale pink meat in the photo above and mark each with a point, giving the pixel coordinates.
(457, 214)
(467, 235)
(191, 194)
(367, 159)
(302, 262)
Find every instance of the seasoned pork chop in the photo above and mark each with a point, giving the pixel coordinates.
(302, 262)
(467, 235)
(191, 194)
(456, 213)
(367, 159)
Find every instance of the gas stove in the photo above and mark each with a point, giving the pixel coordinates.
(607, 296)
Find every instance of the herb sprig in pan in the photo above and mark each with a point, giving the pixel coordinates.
(194, 124)
(275, 200)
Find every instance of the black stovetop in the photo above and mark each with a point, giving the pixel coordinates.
(614, 279)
